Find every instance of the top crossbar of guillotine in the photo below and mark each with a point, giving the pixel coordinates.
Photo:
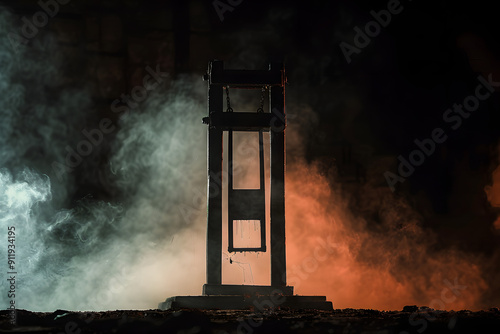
(274, 76)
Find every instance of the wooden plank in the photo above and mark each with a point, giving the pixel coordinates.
(241, 121)
(214, 191)
(233, 289)
(245, 78)
(278, 251)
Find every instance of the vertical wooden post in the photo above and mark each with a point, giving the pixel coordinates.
(214, 192)
(278, 252)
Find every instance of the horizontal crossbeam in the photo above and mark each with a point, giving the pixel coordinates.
(245, 78)
(243, 121)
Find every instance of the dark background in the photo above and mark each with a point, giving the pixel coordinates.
(368, 112)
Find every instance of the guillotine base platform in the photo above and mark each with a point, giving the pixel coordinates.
(244, 297)
(245, 303)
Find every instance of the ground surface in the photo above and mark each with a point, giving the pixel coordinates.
(410, 320)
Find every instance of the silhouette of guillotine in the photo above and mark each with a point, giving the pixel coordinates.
(246, 204)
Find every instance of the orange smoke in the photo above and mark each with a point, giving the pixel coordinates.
(332, 252)
(383, 263)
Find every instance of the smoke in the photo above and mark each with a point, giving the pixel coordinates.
(359, 244)
(75, 251)
(386, 268)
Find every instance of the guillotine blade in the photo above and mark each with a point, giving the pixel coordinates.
(246, 205)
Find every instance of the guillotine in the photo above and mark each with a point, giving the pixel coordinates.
(246, 205)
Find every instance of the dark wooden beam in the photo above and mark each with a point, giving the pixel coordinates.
(241, 121)
(214, 192)
(278, 251)
(245, 78)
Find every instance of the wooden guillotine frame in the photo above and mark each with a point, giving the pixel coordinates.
(246, 204)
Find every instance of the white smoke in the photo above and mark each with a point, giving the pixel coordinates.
(76, 252)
